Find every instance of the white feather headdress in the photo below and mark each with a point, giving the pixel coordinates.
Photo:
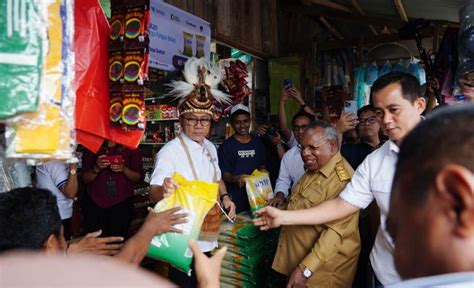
(200, 90)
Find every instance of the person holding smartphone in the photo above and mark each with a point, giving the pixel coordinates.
(109, 176)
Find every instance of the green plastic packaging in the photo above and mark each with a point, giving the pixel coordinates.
(196, 198)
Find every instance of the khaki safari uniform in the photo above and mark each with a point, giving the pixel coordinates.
(330, 250)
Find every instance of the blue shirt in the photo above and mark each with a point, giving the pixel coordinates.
(239, 158)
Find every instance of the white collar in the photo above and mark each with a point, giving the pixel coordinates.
(392, 147)
(193, 144)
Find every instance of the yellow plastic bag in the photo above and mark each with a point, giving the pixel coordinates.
(196, 198)
(259, 189)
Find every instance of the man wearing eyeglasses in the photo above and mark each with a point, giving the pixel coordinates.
(319, 255)
(396, 97)
(173, 158)
(368, 129)
(240, 155)
(291, 167)
(192, 155)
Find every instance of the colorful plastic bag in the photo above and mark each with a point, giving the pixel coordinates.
(48, 133)
(22, 38)
(196, 198)
(259, 188)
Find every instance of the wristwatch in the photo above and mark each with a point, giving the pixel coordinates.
(72, 171)
(307, 273)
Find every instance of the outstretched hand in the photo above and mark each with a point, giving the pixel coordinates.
(164, 221)
(270, 217)
(91, 243)
(208, 270)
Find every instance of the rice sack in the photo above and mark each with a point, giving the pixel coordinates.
(259, 189)
(196, 198)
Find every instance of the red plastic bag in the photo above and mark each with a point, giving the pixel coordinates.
(91, 42)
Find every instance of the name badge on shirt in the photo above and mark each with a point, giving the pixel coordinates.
(111, 188)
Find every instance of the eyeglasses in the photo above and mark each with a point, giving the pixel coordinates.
(299, 127)
(313, 148)
(370, 120)
(194, 121)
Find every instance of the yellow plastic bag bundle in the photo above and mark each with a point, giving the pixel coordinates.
(196, 198)
(259, 189)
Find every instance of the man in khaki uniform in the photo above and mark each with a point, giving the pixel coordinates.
(319, 255)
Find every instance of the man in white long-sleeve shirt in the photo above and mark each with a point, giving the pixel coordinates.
(291, 168)
(396, 97)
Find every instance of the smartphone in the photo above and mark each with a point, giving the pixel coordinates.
(287, 82)
(114, 159)
(350, 106)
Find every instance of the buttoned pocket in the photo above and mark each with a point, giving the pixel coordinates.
(314, 194)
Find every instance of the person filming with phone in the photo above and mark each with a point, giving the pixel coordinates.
(109, 176)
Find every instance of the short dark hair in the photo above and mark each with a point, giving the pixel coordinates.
(366, 108)
(420, 160)
(410, 85)
(302, 113)
(28, 216)
(237, 113)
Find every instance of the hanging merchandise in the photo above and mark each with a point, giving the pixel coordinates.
(416, 70)
(135, 66)
(465, 69)
(259, 189)
(372, 73)
(92, 36)
(196, 198)
(399, 67)
(22, 37)
(359, 85)
(116, 107)
(235, 79)
(116, 29)
(386, 68)
(133, 114)
(136, 23)
(116, 67)
(48, 133)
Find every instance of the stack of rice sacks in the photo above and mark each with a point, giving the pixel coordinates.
(250, 253)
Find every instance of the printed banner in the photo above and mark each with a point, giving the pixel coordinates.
(176, 35)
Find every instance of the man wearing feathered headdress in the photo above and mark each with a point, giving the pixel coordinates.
(191, 154)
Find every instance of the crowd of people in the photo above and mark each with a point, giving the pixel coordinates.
(417, 170)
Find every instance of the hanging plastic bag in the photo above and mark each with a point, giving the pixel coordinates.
(196, 198)
(416, 70)
(259, 189)
(399, 67)
(48, 133)
(359, 85)
(385, 69)
(372, 73)
(22, 38)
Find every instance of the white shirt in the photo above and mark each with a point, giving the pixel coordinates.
(454, 280)
(172, 158)
(291, 170)
(292, 142)
(373, 180)
(52, 176)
